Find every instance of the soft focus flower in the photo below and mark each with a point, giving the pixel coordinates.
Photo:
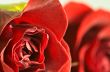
(33, 42)
(76, 13)
(89, 38)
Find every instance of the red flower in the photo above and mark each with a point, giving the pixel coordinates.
(88, 37)
(34, 42)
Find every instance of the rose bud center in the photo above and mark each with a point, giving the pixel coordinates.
(29, 51)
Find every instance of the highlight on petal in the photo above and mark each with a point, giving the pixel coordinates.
(45, 13)
(98, 18)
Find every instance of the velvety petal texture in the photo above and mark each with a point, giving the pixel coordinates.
(89, 38)
(33, 41)
(37, 12)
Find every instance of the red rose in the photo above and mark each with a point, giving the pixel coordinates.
(34, 42)
(93, 33)
(89, 38)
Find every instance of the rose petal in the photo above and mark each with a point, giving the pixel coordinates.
(98, 18)
(5, 36)
(88, 56)
(18, 32)
(5, 67)
(82, 54)
(76, 11)
(5, 17)
(87, 61)
(104, 33)
(45, 13)
(1, 68)
(65, 46)
(67, 65)
(57, 56)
